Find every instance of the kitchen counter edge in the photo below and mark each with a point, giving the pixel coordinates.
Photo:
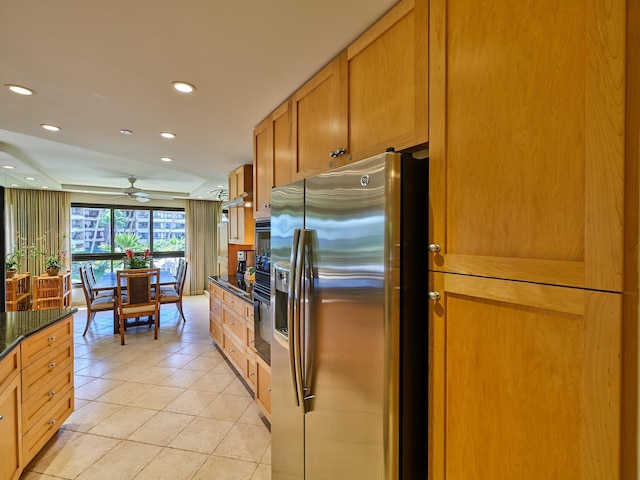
(16, 326)
(232, 288)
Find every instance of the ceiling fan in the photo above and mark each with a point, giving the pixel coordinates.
(140, 195)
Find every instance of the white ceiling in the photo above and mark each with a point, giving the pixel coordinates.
(98, 67)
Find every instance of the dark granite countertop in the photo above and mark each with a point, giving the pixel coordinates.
(232, 284)
(16, 326)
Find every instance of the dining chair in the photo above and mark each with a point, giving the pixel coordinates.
(91, 278)
(95, 303)
(173, 294)
(138, 295)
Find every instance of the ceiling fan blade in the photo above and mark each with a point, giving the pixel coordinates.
(142, 199)
(140, 194)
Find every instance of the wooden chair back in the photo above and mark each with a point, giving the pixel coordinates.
(138, 295)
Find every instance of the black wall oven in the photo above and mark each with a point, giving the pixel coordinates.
(263, 323)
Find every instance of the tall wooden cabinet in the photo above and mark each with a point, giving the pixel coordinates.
(530, 194)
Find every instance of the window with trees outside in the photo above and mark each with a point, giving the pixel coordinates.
(101, 234)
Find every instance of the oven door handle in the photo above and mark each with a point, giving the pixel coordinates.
(261, 298)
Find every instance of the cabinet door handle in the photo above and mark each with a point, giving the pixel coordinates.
(434, 296)
(251, 374)
(52, 393)
(52, 422)
(338, 152)
(1, 417)
(52, 338)
(53, 365)
(232, 323)
(269, 389)
(434, 247)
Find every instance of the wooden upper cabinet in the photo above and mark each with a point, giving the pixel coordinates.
(319, 118)
(262, 168)
(272, 158)
(525, 381)
(283, 171)
(241, 227)
(527, 140)
(388, 82)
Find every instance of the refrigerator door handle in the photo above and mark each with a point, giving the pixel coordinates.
(291, 312)
(297, 308)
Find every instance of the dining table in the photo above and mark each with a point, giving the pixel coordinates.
(108, 281)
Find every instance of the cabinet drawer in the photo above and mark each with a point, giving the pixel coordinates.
(45, 395)
(250, 344)
(9, 367)
(46, 426)
(46, 367)
(234, 352)
(216, 309)
(45, 341)
(234, 303)
(215, 330)
(235, 324)
(250, 372)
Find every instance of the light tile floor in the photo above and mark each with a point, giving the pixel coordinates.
(154, 409)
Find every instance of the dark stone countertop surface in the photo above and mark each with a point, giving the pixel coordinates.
(16, 326)
(235, 286)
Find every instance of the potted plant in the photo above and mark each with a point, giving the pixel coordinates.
(52, 264)
(12, 261)
(137, 261)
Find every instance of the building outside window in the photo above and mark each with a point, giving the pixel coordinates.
(100, 235)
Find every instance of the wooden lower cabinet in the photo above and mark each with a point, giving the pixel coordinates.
(11, 462)
(47, 384)
(263, 386)
(525, 381)
(231, 327)
(36, 395)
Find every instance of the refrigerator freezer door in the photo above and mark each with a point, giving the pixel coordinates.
(351, 214)
(287, 419)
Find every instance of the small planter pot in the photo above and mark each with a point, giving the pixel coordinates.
(10, 273)
(53, 271)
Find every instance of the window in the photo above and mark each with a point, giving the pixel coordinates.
(101, 234)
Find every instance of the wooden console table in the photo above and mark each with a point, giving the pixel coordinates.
(52, 291)
(18, 292)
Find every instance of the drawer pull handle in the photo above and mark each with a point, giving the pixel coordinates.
(252, 341)
(52, 422)
(251, 374)
(231, 350)
(52, 338)
(53, 365)
(52, 393)
(232, 323)
(268, 389)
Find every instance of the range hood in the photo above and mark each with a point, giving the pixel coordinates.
(239, 201)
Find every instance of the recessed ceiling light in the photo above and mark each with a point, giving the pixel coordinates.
(14, 185)
(183, 87)
(29, 178)
(8, 167)
(19, 89)
(168, 135)
(126, 131)
(167, 159)
(51, 128)
(44, 187)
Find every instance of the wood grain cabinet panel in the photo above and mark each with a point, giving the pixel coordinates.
(527, 140)
(319, 119)
(388, 82)
(11, 463)
(526, 381)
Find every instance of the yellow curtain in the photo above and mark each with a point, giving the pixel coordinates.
(202, 218)
(38, 218)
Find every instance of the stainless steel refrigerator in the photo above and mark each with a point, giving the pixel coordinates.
(350, 348)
